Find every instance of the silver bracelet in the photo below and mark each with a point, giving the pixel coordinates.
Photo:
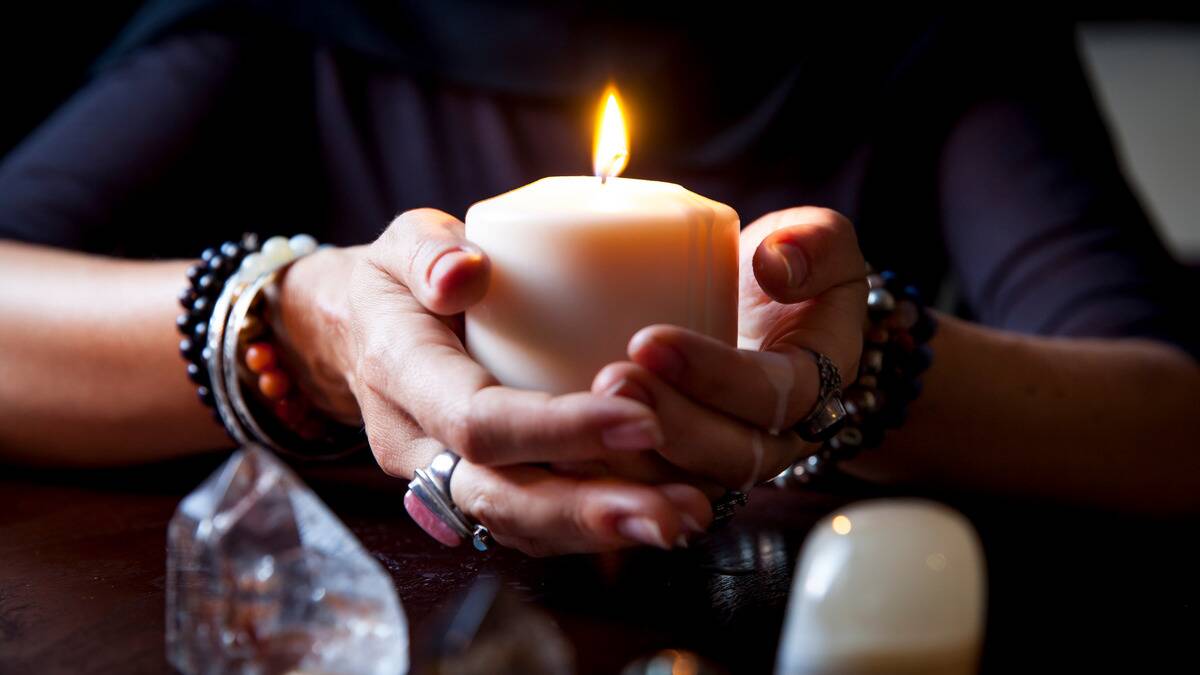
(232, 325)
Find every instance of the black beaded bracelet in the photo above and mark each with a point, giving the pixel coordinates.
(206, 279)
(895, 353)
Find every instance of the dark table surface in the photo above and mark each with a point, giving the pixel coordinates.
(82, 562)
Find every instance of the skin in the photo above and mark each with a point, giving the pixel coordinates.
(377, 330)
(1109, 423)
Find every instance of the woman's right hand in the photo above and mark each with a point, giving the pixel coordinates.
(376, 331)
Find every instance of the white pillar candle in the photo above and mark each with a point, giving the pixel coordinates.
(581, 263)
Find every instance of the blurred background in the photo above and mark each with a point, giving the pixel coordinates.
(1145, 73)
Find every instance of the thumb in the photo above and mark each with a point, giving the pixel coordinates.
(807, 252)
(425, 251)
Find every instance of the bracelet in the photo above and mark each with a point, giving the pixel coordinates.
(895, 354)
(285, 425)
(228, 296)
(206, 280)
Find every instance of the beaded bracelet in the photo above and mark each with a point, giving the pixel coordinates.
(227, 299)
(261, 396)
(206, 280)
(895, 354)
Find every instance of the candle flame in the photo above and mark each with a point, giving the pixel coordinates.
(611, 152)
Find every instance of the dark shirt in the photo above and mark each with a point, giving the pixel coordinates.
(960, 156)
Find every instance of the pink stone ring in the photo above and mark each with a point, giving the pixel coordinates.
(428, 502)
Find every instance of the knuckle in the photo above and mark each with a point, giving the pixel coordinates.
(834, 219)
(388, 452)
(373, 369)
(818, 221)
(613, 373)
(420, 215)
(408, 219)
(575, 520)
(419, 256)
(464, 434)
(491, 511)
(388, 460)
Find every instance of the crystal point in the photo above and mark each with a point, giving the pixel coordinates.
(263, 578)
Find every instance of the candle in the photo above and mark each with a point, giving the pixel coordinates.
(887, 587)
(581, 263)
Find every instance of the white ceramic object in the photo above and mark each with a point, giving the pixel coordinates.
(887, 586)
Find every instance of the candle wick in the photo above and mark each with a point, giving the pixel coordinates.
(603, 178)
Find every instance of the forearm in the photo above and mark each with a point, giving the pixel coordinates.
(90, 372)
(1112, 423)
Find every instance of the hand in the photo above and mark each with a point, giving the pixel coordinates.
(375, 331)
(802, 287)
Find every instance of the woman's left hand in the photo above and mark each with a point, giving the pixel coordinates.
(802, 287)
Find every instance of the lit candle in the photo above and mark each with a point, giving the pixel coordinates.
(581, 263)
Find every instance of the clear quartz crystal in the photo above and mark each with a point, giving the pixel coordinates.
(263, 578)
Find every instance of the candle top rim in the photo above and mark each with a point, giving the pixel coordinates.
(586, 198)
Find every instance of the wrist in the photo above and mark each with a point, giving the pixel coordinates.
(312, 326)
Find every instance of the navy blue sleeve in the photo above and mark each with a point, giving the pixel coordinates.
(1042, 230)
(63, 185)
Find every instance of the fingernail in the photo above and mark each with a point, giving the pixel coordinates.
(639, 435)
(663, 360)
(642, 530)
(450, 260)
(627, 388)
(690, 524)
(792, 259)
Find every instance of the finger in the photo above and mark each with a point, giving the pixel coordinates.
(772, 389)
(701, 440)
(426, 251)
(542, 514)
(693, 504)
(640, 467)
(416, 364)
(509, 426)
(804, 252)
(397, 441)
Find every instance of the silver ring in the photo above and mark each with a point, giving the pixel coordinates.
(441, 469)
(829, 413)
(432, 486)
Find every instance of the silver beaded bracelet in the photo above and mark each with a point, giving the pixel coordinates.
(895, 355)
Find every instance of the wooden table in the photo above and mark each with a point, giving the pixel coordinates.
(82, 571)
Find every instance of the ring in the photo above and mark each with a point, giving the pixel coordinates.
(829, 413)
(428, 502)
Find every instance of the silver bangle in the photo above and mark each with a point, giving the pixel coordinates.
(253, 284)
(214, 362)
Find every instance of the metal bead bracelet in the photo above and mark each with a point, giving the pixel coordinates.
(895, 354)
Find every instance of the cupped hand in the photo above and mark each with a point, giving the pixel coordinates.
(376, 333)
(727, 413)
